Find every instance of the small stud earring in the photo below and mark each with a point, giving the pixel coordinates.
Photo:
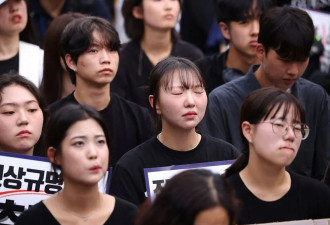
(250, 141)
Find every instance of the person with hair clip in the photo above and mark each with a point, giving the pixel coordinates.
(151, 27)
(17, 55)
(56, 83)
(78, 142)
(178, 100)
(22, 116)
(192, 197)
(272, 129)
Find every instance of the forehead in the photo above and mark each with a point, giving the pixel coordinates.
(84, 128)
(15, 93)
(180, 77)
(287, 111)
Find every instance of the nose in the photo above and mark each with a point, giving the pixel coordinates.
(293, 69)
(22, 118)
(105, 56)
(92, 151)
(168, 4)
(189, 99)
(289, 134)
(255, 27)
(13, 5)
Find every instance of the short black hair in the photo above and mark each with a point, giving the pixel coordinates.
(77, 37)
(288, 31)
(240, 10)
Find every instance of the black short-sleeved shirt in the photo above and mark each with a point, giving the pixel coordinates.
(128, 178)
(129, 124)
(307, 198)
(123, 214)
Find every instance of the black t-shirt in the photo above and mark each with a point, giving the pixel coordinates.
(306, 199)
(9, 65)
(128, 177)
(129, 124)
(123, 214)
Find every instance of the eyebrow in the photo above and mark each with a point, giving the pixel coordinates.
(15, 104)
(84, 137)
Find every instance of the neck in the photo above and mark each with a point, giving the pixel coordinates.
(67, 86)
(53, 7)
(9, 46)
(80, 200)
(157, 45)
(264, 180)
(261, 77)
(178, 140)
(239, 61)
(96, 97)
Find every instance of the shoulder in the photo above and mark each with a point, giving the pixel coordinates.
(36, 214)
(123, 213)
(308, 88)
(221, 145)
(122, 103)
(308, 184)
(60, 103)
(30, 47)
(185, 49)
(137, 155)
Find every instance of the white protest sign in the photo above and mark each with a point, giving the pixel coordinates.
(26, 180)
(156, 177)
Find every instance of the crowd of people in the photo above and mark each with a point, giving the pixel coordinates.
(72, 92)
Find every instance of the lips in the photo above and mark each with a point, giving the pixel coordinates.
(190, 115)
(287, 148)
(16, 18)
(106, 70)
(169, 16)
(253, 43)
(24, 133)
(95, 169)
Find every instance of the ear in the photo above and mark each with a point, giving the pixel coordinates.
(260, 50)
(51, 156)
(224, 30)
(70, 63)
(151, 102)
(247, 130)
(137, 12)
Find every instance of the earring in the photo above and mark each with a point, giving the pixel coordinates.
(250, 141)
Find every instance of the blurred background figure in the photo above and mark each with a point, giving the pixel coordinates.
(16, 54)
(42, 12)
(193, 197)
(151, 27)
(56, 83)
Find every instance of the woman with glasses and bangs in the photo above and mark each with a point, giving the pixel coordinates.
(272, 128)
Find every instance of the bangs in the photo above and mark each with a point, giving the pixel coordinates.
(107, 40)
(188, 79)
(274, 109)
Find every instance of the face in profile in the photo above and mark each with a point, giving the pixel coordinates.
(21, 120)
(182, 106)
(84, 153)
(212, 216)
(13, 17)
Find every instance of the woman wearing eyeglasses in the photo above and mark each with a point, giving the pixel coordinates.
(272, 128)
